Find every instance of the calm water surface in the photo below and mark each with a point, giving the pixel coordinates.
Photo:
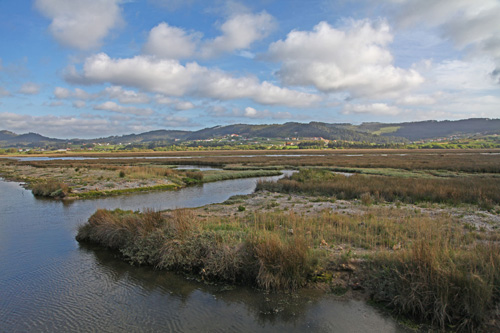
(49, 282)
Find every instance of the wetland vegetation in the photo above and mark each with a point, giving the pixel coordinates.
(417, 231)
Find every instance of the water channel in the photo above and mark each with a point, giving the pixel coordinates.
(49, 282)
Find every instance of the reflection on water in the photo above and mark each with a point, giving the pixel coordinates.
(49, 282)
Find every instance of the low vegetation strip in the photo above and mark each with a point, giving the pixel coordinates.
(481, 191)
(427, 267)
(213, 176)
(104, 193)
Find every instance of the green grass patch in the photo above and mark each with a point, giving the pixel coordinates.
(386, 130)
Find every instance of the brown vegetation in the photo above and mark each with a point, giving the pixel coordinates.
(427, 267)
(482, 191)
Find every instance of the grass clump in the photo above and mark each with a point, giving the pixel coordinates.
(180, 242)
(50, 188)
(437, 284)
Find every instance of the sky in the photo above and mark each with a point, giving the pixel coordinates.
(95, 68)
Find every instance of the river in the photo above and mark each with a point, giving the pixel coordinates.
(49, 282)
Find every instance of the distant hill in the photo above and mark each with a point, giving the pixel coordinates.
(422, 130)
(10, 139)
(368, 132)
(159, 135)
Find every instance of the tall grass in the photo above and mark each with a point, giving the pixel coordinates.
(50, 188)
(440, 272)
(482, 191)
(436, 283)
(179, 242)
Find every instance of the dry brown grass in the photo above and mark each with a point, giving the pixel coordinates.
(481, 191)
(428, 267)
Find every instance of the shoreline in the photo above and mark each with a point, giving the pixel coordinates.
(278, 233)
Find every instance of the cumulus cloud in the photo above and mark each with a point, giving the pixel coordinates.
(80, 24)
(61, 93)
(126, 96)
(58, 126)
(114, 107)
(239, 32)
(354, 59)
(29, 88)
(175, 103)
(470, 25)
(183, 106)
(79, 104)
(171, 42)
(248, 112)
(169, 77)
(78, 93)
(380, 109)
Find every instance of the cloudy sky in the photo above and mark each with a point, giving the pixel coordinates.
(93, 68)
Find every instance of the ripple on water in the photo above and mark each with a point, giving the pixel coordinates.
(48, 282)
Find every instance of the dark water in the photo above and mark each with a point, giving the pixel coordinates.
(48, 282)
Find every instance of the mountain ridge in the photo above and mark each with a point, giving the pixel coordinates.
(369, 132)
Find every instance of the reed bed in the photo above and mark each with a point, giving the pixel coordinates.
(428, 267)
(481, 191)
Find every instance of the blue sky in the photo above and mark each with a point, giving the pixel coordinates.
(93, 68)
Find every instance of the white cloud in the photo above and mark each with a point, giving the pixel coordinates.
(81, 24)
(79, 104)
(354, 58)
(64, 93)
(184, 105)
(126, 96)
(239, 32)
(58, 126)
(29, 88)
(171, 42)
(380, 109)
(176, 104)
(470, 25)
(169, 77)
(56, 103)
(114, 107)
(61, 93)
(248, 112)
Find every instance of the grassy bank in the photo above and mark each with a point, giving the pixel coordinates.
(181, 242)
(424, 266)
(481, 191)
